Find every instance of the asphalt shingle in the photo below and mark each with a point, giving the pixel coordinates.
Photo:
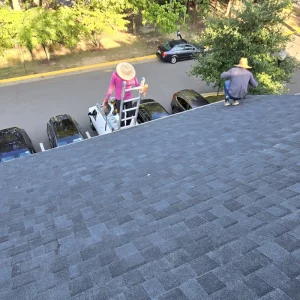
(200, 205)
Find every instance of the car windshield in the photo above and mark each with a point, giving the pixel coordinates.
(168, 46)
(69, 140)
(158, 115)
(6, 156)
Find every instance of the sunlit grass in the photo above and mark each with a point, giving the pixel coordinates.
(124, 50)
(213, 97)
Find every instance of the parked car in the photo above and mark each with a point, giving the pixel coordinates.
(186, 100)
(175, 50)
(63, 130)
(150, 110)
(14, 143)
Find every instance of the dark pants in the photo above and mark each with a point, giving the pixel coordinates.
(226, 91)
(128, 113)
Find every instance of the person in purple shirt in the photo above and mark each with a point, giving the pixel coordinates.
(124, 72)
(237, 80)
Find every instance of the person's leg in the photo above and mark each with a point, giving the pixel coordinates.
(226, 89)
(129, 113)
(226, 92)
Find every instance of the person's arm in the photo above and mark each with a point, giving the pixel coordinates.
(226, 75)
(136, 82)
(110, 88)
(252, 81)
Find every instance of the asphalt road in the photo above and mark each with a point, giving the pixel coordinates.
(30, 105)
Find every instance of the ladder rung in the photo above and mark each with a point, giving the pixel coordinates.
(134, 89)
(132, 99)
(129, 118)
(129, 109)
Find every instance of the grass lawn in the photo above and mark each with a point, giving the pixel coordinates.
(213, 97)
(119, 50)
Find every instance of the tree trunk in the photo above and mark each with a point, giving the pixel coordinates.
(228, 10)
(215, 9)
(46, 52)
(195, 12)
(22, 58)
(16, 4)
(187, 5)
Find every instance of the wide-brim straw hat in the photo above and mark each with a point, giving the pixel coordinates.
(125, 70)
(243, 63)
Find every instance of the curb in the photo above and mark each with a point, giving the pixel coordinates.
(76, 69)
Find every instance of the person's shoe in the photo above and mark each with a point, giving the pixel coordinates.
(226, 103)
(235, 102)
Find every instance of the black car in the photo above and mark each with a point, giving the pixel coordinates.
(63, 130)
(150, 110)
(185, 100)
(14, 143)
(175, 50)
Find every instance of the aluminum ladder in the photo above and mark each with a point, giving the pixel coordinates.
(135, 100)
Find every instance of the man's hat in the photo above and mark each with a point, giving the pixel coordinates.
(243, 63)
(125, 70)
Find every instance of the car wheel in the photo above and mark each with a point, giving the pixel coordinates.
(173, 110)
(173, 60)
(92, 125)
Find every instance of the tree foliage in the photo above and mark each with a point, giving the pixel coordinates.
(256, 33)
(50, 27)
(99, 17)
(10, 25)
(166, 17)
(47, 22)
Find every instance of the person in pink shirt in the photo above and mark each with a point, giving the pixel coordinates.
(124, 72)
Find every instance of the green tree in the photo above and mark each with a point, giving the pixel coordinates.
(47, 27)
(98, 17)
(256, 32)
(166, 17)
(25, 33)
(10, 23)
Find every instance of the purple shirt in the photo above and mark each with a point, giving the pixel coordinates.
(116, 83)
(240, 78)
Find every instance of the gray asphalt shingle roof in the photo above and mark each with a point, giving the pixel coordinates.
(201, 205)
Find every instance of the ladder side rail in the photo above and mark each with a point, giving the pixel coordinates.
(122, 103)
(139, 100)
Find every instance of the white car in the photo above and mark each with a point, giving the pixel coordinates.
(105, 123)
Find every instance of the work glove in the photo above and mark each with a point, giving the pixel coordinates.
(144, 90)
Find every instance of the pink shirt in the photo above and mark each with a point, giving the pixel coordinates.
(116, 83)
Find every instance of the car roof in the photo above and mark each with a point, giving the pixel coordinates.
(192, 97)
(181, 41)
(11, 139)
(177, 42)
(154, 109)
(151, 105)
(147, 101)
(64, 126)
